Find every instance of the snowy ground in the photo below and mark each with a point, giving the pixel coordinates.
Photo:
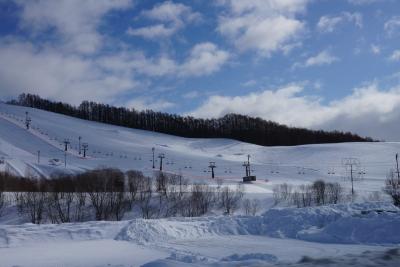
(340, 235)
(272, 238)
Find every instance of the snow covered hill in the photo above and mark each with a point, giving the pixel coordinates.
(278, 237)
(125, 148)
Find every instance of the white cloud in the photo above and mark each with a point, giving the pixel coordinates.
(174, 17)
(395, 56)
(375, 49)
(363, 2)
(60, 76)
(367, 110)
(265, 26)
(152, 32)
(392, 26)
(74, 20)
(249, 83)
(72, 77)
(191, 95)
(204, 59)
(322, 58)
(329, 23)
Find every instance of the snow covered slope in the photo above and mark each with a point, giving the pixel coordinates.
(125, 148)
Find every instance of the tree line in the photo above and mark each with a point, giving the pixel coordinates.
(232, 126)
(108, 194)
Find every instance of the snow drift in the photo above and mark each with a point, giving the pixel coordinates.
(366, 223)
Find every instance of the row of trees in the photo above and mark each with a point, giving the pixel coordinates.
(234, 126)
(107, 194)
(315, 194)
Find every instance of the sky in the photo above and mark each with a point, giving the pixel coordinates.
(320, 64)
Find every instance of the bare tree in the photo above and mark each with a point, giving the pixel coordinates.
(303, 197)
(247, 206)
(282, 193)
(118, 204)
(318, 190)
(176, 192)
(33, 204)
(255, 206)
(392, 187)
(80, 204)
(3, 201)
(134, 179)
(230, 199)
(145, 196)
(334, 193)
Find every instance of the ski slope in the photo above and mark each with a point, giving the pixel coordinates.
(278, 237)
(124, 148)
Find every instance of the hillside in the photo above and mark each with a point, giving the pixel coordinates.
(126, 148)
(232, 126)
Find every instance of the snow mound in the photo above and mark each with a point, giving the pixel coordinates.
(367, 223)
(154, 231)
(363, 223)
(251, 257)
(31, 234)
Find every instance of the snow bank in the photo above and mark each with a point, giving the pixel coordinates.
(388, 258)
(368, 223)
(31, 234)
(161, 230)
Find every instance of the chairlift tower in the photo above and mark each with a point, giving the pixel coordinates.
(66, 143)
(27, 120)
(152, 150)
(352, 166)
(212, 166)
(248, 177)
(85, 148)
(80, 138)
(161, 156)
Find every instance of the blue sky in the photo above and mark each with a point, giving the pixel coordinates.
(310, 63)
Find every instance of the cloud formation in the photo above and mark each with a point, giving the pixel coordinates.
(392, 26)
(266, 26)
(366, 110)
(329, 23)
(171, 16)
(323, 58)
(395, 56)
(75, 21)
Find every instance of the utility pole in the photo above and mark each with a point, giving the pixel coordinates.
(85, 148)
(153, 149)
(212, 167)
(161, 156)
(66, 143)
(27, 120)
(38, 156)
(79, 138)
(65, 159)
